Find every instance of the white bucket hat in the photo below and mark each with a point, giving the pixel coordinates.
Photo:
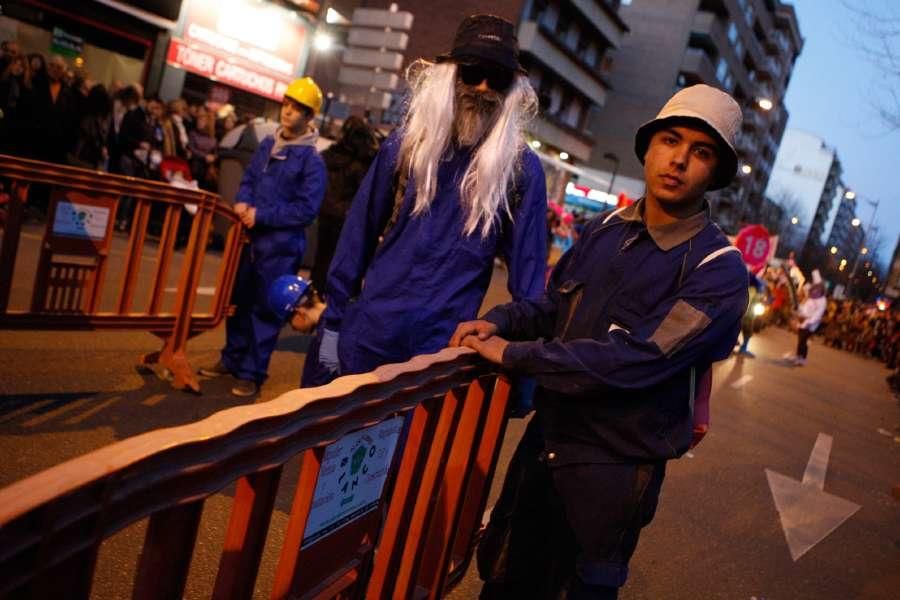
(718, 114)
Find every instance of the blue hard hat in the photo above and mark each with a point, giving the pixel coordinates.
(286, 293)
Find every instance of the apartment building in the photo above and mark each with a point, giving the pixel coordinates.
(746, 47)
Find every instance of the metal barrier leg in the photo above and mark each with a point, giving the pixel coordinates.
(11, 232)
(173, 355)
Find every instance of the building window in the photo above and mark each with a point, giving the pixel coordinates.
(572, 37)
(732, 32)
(590, 54)
(572, 116)
(721, 69)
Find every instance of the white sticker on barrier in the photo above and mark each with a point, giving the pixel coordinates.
(351, 478)
(81, 220)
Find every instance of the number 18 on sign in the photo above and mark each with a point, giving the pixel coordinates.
(754, 243)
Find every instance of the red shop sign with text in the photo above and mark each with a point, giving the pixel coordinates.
(754, 243)
(212, 65)
(253, 34)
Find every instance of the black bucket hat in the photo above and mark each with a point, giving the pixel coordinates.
(485, 38)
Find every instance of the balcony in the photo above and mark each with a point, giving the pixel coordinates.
(768, 68)
(752, 119)
(545, 51)
(697, 63)
(745, 144)
(708, 25)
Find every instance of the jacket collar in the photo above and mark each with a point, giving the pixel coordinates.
(670, 235)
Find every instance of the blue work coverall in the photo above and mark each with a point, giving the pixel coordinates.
(632, 316)
(405, 296)
(286, 185)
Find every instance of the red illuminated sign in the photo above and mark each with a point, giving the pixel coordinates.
(224, 69)
(251, 45)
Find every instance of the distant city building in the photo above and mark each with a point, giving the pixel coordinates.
(746, 47)
(845, 236)
(806, 180)
(892, 287)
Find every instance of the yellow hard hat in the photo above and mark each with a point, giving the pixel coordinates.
(306, 92)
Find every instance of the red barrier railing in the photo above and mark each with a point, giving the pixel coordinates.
(439, 420)
(72, 288)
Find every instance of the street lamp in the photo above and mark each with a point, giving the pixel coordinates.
(794, 220)
(834, 249)
(856, 222)
(746, 169)
(765, 104)
(850, 195)
(612, 179)
(563, 155)
(866, 234)
(535, 144)
(864, 250)
(323, 42)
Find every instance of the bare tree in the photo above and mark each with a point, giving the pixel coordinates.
(878, 41)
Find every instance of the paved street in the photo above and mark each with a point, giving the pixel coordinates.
(717, 533)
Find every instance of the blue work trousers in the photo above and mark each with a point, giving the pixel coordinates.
(252, 331)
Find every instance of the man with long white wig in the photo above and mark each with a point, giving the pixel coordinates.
(454, 187)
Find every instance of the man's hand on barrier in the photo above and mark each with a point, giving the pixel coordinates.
(481, 329)
(248, 218)
(328, 351)
(491, 349)
(240, 208)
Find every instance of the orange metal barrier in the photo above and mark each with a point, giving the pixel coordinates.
(415, 541)
(71, 277)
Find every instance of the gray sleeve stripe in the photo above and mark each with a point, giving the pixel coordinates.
(681, 324)
(612, 214)
(714, 255)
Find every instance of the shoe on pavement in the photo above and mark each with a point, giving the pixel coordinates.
(244, 388)
(798, 361)
(215, 370)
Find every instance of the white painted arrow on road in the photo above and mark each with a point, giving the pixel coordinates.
(808, 513)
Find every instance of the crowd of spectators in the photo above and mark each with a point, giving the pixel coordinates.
(866, 329)
(52, 112)
(870, 329)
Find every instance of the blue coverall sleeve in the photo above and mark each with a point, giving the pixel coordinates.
(251, 174)
(304, 199)
(525, 240)
(365, 223)
(699, 323)
(533, 318)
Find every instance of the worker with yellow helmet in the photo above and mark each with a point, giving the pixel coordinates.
(280, 194)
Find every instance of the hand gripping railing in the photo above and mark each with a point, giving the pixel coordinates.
(71, 287)
(415, 543)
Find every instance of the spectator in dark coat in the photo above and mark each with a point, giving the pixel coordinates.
(91, 148)
(347, 162)
(202, 145)
(55, 104)
(15, 107)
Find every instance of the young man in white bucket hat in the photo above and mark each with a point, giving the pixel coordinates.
(647, 299)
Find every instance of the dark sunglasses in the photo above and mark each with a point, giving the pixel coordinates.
(498, 78)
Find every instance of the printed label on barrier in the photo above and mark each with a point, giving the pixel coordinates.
(351, 478)
(83, 221)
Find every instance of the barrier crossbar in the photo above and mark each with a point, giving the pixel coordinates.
(416, 542)
(71, 278)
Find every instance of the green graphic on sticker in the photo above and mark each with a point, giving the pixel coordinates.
(358, 456)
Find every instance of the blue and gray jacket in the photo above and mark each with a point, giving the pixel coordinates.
(285, 181)
(631, 316)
